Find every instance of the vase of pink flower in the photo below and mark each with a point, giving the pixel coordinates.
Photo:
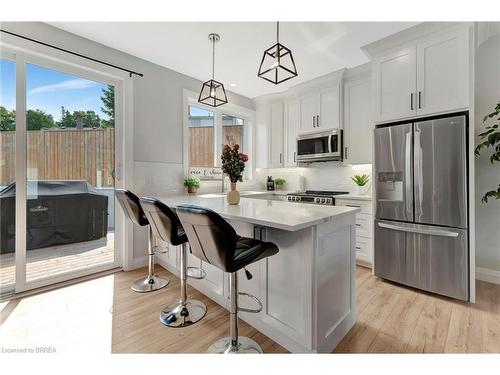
(233, 165)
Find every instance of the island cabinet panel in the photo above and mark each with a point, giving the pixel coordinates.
(334, 287)
(288, 285)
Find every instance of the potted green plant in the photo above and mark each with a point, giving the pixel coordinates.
(491, 138)
(192, 184)
(280, 183)
(233, 165)
(362, 182)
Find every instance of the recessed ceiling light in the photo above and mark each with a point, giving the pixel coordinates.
(232, 84)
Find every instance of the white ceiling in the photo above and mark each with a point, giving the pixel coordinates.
(318, 47)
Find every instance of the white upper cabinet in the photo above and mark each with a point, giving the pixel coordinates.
(291, 114)
(321, 109)
(394, 79)
(309, 108)
(358, 124)
(443, 73)
(429, 76)
(277, 135)
(329, 108)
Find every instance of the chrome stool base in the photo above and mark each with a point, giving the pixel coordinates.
(149, 284)
(180, 315)
(245, 346)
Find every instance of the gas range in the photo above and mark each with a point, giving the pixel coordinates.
(315, 197)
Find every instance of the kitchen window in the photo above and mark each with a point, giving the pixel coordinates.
(208, 129)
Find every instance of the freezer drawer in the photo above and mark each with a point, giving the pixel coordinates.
(390, 254)
(394, 172)
(435, 258)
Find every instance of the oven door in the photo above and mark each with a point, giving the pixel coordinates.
(320, 146)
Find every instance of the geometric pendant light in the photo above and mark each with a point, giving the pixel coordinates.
(212, 92)
(277, 63)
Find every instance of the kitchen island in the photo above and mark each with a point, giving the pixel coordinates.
(307, 290)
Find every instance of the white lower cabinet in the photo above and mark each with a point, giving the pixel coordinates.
(364, 229)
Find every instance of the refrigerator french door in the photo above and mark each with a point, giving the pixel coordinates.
(421, 236)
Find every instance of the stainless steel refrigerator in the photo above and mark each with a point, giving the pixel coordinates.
(421, 225)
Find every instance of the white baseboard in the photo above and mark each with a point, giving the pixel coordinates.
(487, 274)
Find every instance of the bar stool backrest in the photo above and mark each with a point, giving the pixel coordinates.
(131, 206)
(211, 238)
(164, 222)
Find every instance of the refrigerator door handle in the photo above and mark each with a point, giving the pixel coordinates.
(418, 175)
(432, 232)
(408, 174)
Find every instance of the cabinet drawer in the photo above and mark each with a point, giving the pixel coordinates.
(364, 225)
(366, 206)
(364, 248)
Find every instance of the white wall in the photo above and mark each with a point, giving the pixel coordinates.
(487, 95)
(157, 108)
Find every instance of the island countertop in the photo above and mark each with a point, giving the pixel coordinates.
(271, 213)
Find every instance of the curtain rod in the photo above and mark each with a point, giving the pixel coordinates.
(73, 53)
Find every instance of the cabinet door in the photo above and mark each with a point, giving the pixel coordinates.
(358, 128)
(276, 141)
(308, 111)
(394, 81)
(291, 131)
(443, 73)
(329, 108)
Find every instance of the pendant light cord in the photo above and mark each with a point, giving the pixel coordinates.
(278, 31)
(213, 58)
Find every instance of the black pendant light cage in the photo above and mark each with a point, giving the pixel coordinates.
(213, 92)
(277, 63)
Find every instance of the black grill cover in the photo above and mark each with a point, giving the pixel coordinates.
(62, 212)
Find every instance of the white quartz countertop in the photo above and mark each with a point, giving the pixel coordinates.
(271, 213)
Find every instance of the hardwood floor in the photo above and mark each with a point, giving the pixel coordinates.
(109, 317)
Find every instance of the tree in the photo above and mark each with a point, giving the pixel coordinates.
(108, 102)
(7, 120)
(67, 119)
(37, 119)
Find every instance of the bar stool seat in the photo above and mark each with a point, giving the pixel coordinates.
(215, 241)
(166, 226)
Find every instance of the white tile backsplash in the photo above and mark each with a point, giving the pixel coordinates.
(318, 176)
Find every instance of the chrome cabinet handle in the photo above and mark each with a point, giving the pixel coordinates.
(411, 101)
(280, 157)
(420, 100)
(314, 121)
(353, 205)
(317, 121)
(432, 232)
(358, 247)
(345, 152)
(294, 156)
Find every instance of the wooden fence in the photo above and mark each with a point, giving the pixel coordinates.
(62, 154)
(201, 143)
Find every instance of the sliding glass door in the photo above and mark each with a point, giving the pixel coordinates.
(57, 211)
(7, 172)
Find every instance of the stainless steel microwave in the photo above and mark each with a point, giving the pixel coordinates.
(325, 145)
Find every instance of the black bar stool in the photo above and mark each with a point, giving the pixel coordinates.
(213, 240)
(167, 227)
(132, 208)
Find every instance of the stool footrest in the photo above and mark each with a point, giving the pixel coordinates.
(256, 300)
(191, 273)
